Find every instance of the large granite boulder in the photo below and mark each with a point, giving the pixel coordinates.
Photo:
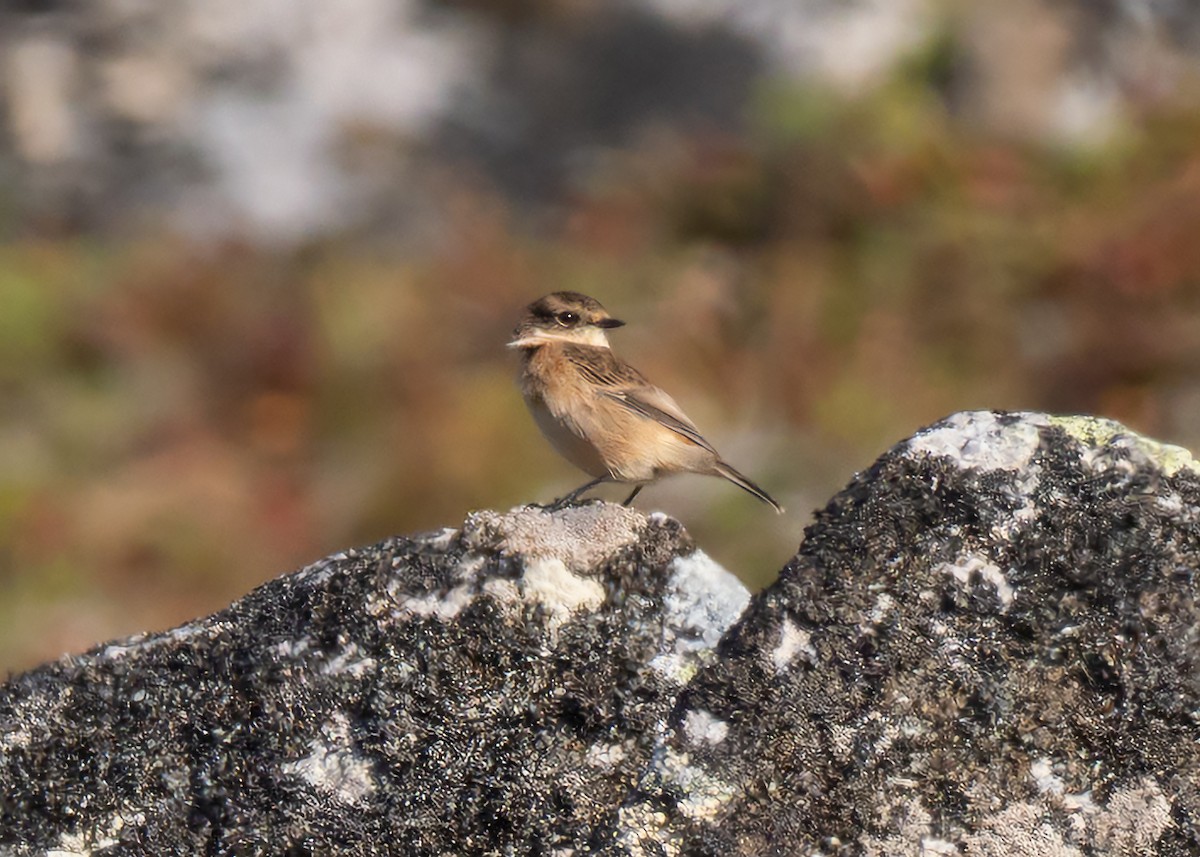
(986, 645)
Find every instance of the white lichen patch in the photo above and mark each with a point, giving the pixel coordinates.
(77, 845)
(13, 739)
(1025, 485)
(548, 582)
(504, 591)
(842, 739)
(580, 537)
(350, 661)
(701, 727)
(145, 642)
(702, 794)
(702, 600)
(1172, 504)
(333, 766)
(699, 796)
(1078, 801)
(290, 650)
(679, 667)
(438, 540)
(470, 567)
(1132, 822)
(322, 569)
(978, 440)
(606, 756)
(104, 835)
(1044, 777)
(1052, 785)
(884, 603)
(1019, 830)
(971, 564)
(1134, 819)
(439, 605)
(794, 642)
(910, 823)
(643, 831)
(1098, 432)
(442, 604)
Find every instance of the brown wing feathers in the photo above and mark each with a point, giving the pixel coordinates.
(629, 387)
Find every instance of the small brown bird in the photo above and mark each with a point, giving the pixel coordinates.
(600, 413)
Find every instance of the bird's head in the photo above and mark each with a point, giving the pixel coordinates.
(564, 317)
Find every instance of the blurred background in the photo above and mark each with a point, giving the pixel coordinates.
(259, 260)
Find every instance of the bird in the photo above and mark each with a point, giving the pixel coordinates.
(599, 412)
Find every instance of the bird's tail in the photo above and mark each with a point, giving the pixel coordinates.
(743, 482)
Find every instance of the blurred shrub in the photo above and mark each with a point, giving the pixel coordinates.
(182, 421)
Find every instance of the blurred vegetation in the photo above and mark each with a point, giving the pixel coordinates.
(183, 421)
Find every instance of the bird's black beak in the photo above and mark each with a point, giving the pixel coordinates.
(607, 323)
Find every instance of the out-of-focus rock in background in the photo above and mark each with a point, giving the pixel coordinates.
(258, 260)
(296, 120)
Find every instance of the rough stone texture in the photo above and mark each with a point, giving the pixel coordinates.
(987, 645)
(493, 689)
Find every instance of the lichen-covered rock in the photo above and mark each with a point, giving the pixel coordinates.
(987, 645)
(493, 689)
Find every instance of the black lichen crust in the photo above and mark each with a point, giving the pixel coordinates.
(324, 713)
(976, 640)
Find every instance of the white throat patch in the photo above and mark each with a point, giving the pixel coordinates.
(588, 335)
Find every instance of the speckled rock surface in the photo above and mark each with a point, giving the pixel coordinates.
(987, 645)
(492, 689)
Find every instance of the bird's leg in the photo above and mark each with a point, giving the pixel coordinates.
(629, 499)
(568, 499)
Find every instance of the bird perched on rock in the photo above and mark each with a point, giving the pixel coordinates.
(599, 412)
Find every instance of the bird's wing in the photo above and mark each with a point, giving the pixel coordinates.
(620, 382)
(637, 401)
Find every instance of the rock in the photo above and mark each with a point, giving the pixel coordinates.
(986, 645)
(491, 689)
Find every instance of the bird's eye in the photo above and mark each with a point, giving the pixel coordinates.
(567, 318)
